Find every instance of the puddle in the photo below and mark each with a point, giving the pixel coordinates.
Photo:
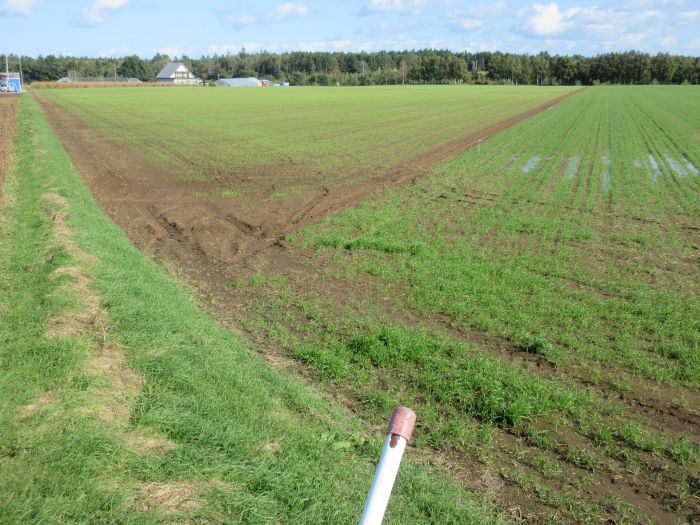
(531, 164)
(605, 174)
(572, 168)
(691, 167)
(656, 170)
(676, 166)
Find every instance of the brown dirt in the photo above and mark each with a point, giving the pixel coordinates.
(117, 386)
(40, 403)
(168, 497)
(8, 123)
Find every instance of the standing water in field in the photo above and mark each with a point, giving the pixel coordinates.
(572, 167)
(656, 170)
(531, 164)
(605, 174)
(691, 167)
(676, 166)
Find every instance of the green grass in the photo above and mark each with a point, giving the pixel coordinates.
(593, 272)
(261, 447)
(275, 135)
(560, 244)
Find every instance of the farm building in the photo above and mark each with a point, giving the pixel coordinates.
(11, 82)
(177, 73)
(239, 82)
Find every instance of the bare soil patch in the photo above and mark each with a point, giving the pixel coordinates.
(117, 386)
(8, 123)
(168, 497)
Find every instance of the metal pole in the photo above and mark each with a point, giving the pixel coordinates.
(21, 76)
(398, 434)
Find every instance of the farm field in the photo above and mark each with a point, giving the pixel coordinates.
(536, 298)
(122, 402)
(253, 165)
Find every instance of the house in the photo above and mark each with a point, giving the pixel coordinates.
(238, 82)
(177, 73)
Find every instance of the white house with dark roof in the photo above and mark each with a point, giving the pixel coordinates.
(177, 73)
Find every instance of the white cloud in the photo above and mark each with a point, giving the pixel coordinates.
(467, 23)
(549, 21)
(240, 21)
(690, 15)
(609, 29)
(115, 51)
(289, 11)
(313, 46)
(18, 7)
(172, 51)
(397, 6)
(97, 12)
(670, 41)
(413, 7)
(225, 49)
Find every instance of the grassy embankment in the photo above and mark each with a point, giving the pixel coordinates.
(121, 402)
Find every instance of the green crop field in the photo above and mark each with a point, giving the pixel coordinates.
(335, 134)
(534, 298)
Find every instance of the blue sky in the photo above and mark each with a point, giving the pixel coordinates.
(195, 28)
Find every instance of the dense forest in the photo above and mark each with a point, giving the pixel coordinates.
(390, 67)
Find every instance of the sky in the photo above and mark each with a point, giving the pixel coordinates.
(115, 28)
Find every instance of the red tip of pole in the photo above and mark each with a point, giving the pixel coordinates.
(401, 422)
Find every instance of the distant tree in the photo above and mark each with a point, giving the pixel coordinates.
(424, 66)
(134, 67)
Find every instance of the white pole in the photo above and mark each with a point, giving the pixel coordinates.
(398, 434)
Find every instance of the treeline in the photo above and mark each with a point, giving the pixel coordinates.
(391, 67)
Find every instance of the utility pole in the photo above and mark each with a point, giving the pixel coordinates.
(21, 77)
